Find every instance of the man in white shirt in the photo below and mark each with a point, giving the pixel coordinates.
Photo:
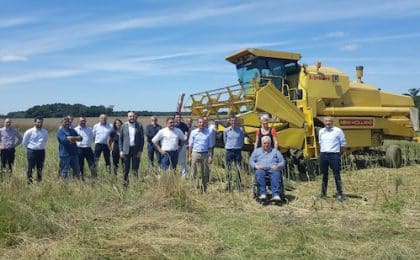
(101, 133)
(332, 142)
(35, 140)
(84, 147)
(171, 140)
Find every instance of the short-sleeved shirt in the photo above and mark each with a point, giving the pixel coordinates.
(169, 138)
(101, 133)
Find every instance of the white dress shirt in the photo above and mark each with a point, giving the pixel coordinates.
(87, 136)
(35, 139)
(331, 139)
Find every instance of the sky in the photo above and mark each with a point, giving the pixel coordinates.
(139, 55)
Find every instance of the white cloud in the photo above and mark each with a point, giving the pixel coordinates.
(12, 58)
(37, 75)
(12, 22)
(335, 34)
(350, 47)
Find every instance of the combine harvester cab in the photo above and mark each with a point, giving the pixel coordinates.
(297, 97)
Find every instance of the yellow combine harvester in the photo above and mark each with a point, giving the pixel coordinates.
(297, 97)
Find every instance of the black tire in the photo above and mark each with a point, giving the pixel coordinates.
(393, 156)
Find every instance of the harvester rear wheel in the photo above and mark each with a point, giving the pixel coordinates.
(393, 156)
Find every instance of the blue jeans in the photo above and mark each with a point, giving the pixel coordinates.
(69, 161)
(151, 152)
(36, 159)
(169, 160)
(332, 160)
(233, 155)
(275, 181)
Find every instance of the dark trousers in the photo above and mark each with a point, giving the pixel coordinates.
(151, 152)
(36, 158)
(333, 161)
(7, 158)
(132, 160)
(233, 155)
(169, 160)
(102, 148)
(87, 153)
(116, 158)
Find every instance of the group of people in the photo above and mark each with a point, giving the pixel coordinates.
(176, 143)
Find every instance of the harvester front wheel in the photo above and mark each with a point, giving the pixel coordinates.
(393, 156)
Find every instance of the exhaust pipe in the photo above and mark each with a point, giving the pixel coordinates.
(359, 74)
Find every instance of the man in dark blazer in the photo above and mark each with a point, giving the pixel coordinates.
(131, 145)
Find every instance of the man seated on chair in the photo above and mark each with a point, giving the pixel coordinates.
(268, 161)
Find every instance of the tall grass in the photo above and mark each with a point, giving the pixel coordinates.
(165, 216)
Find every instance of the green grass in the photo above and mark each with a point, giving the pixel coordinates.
(169, 218)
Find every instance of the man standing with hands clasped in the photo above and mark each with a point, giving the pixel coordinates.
(168, 142)
(131, 145)
(9, 139)
(332, 142)
(200, 150)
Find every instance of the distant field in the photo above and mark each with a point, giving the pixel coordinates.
(53, 123)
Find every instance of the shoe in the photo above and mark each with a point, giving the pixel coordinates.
(340, 198)
(276, 198)
(323, 196)
(262, 197)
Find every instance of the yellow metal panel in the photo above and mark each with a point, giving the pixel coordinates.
(392, 100)
(270, 100)
(358, 138)
(362, 96)
(250, 119)
(363, 111)
(291, 138)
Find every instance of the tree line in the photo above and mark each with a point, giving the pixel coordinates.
(61, 110)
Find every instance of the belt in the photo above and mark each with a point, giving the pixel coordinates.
(330, 152)
(201, 152)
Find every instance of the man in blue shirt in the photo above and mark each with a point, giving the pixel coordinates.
(332, 142)
(10, 138)
(200, 150)
(268, 161)
(67, 149)
(233, 137)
